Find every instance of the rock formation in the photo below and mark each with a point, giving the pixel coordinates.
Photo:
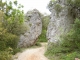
(34, 23)
(60, 21)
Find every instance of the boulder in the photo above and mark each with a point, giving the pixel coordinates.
(34, 24)
(60, 22)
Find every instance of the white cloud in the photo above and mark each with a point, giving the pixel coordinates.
(41, 5)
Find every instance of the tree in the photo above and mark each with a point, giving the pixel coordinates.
(14, 17)
(45, 21)
(74, 8)
(11, 25)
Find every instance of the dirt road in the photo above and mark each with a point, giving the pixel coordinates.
(33, 53)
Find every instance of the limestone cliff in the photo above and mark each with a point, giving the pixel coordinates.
(60, 21)
(34, 23)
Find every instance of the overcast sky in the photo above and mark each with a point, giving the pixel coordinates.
(40, 5)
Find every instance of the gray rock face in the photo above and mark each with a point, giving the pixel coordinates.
(60, 21)
(34, 24)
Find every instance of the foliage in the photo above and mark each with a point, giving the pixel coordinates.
(16, 28)
(7, 39)
(62, 56)
(72, 39)
(42, 37)
(2, 45)
(53, 49)
(71, 56)
(45, 22)
(50, 4)
(11, 25)
(58, 8)
(37, 44)
(16, 50)
(11, 40)
(74, 8)
(4, 55)
(75, 3)
(13, 17)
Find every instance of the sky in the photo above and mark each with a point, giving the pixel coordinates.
(40, 5)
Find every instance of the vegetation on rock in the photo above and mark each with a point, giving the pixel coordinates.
(74, 8)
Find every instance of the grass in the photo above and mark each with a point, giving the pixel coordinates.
(42, 37)
(63, 56)
(55, 52)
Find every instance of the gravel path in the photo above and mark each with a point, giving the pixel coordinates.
(33, 53)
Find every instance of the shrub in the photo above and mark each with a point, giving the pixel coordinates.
(71, 56)
(2, 45)
(74, 8)
(58, 8)
(42, 37)
(12, 40)
(11, 26)
(5, 55)
(8, 40)
(72, 39)
(53, 49)
(16, 50)
(37, 44)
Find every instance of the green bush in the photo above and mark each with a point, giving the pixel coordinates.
(74, 8)
(11, 26)
(75, 3)
(16, 50)
(72, 39)
(37, 44)
(42, 37)
(45, 22)
(58, 8)
(8, 40)
(5, 55)
(13, 51)
(53, 49)
(11, 40)
(71, 56)
(2, 45)
(56, 52)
